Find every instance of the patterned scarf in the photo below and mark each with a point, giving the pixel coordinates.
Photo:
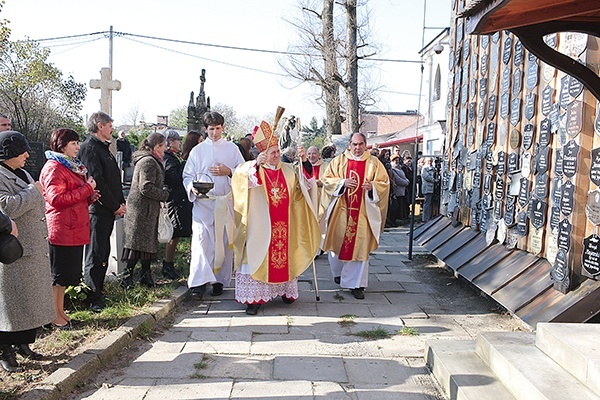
(73, 164)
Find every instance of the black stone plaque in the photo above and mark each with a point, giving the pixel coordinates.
(509, 212)
(544, 136)
(487, 184)
(575, 87)
(459, 181)
(530, 104)
(547, 95)
(556, 191)
(565, 97)
(590, 259)
(564, 235)
(515, 111)
(517, 85)
(492, 106)
(504, 105)
(592, 208)
(524, 189)
(458, 56)
(568, 198)
(499, 189)
(458, 77)
(470, 136)
(472, 88)
(595, 166)
(522, 225)
(513, 162)
(528, 132)
(476, 182)
(538, 213)
(574, 118)
(554, 217)
(501, 167)
(481, 110)
(507, 50)
(490, 138)
(459, 32)
(483, 88)
(532, 77)
(519, 53)
(505, 81)
(489, 162)
(36, 159)
(541, 186)
(558, 162)
(560, 271)
(570, 157)
(531, 57)
(542, 161)
(472, 107)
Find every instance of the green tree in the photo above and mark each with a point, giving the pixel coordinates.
(178, 118)
(4, 29)
(313, 134)
(34, 94)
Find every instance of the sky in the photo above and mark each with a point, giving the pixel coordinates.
(158, 76)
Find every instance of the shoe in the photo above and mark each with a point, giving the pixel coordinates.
(169, 272)
(127, 282)
(8, 360)
(198, 291)
(97, 305)
(337, 279)
(26, 352)
(252, 309)
(146, 278)
(287, 300)
(217, 289)
(66, 326)
(358, 293)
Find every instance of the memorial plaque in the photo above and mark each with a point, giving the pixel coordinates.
(499, 189)
(560, 271)
(544, 136)
(479, 137)
(554, 217)
(592, 208)
(459, 32)
(558, 163)
(458, 77)
(574, 118)
(456, 98)
(491, 134)
(492, 106)
(484, 64)
(554, 118)
(575, 87)
(513, 162)
(483, 88)
(570, 157)
(501, 167)
(476, 183)
(556, 191)
(590, 259)
(515, 111)
(551, 40)
(463, 116)
(509, 213)
(564, 235)
(470, 136)
(472, 88)
(551, 248)
(548, 73)
(538, 213)
(519, 53)
(501, 231)
(576, 43)
(505, 82)
(451, 60)
(567, 200)
(597, 122)
(525, 163)
(457, 57)
(528, 132)
(471, 160)
(459, 181)
(542, 162)
(466, 48)
(564, 97)
(472, 107)
(595, 166)
(36, 160)
(489, 162)
(474, 219)
(517, 85)
(562, 130)
(532, 77)
(497, 210)
(522, 225)
(504, 105)
(495, 37)
(535, 241)
(530, 104)
(474, 59)
(547, 95)
(502, 131)
(531, 57)
(487, 184)
(481, 110)
(464, 94)
(541, 186)
(490, 233)
(483, 220)
(514, 139)
(507, 50)
(485, 41)
(524, 190)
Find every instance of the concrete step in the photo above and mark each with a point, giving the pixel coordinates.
(460, 372)
(574, 347)
(525, 370)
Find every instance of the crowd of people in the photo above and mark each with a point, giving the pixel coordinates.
(268, 214)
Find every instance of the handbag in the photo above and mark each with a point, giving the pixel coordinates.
(165, 226)
(10, 248)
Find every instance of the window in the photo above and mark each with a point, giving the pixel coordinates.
(437, 85)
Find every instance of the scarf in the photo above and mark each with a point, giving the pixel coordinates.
(73, 164)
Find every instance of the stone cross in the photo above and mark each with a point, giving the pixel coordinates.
(106, 85)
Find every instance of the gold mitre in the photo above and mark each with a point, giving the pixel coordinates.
(264, 137)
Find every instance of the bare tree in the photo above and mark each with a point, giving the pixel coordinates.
(131, 118)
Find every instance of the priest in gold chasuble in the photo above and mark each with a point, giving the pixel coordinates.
(355, 196)
(277, 233)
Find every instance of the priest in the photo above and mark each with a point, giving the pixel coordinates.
(277, 233)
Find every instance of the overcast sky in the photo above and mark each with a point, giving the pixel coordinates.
(158, 76)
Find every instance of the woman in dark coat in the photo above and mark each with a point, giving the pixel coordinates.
(26, 301)
(180, 208)
(143, 207)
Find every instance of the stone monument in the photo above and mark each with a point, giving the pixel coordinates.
(196, 110)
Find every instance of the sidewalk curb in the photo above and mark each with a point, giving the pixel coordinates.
(64, 379)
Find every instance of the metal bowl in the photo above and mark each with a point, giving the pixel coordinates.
(203, 188)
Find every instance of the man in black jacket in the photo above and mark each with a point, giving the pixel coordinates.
(102, 165)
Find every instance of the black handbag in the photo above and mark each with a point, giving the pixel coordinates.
(10, 248)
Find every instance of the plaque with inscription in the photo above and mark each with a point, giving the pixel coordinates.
(551, 40)
(513, 162)
(560, 271)
(501, 167)
(597, 121)
(564, 235)
(459, 32)
(495, 37)
(484, 220)
(530, 104)
(505, 81)
(515, 111)
(570, 157)
(487, 184)
(592, 208)
(489, 162)
(551, 248)
(481, 111)
(547, 97)
(36, 160)
(483, 88)
(517, 85)
(554, 218)
(512, 238)
(542, 161)
(528, 132)
(470, 136)
(519, 53)
(492, 106)
(458, 77)
(538, 213)
(491, 134)
(497, 210)
(464, 94)
(472, 107)
(476, 183)
(474, 59)
(514, 139)
(567, 199)
(535, 241)
(558, 163)
(544, 136)
(590, 259)
(499, 189)
(522, 225)
(502, 131)
(463, 116)
(532, 77)
(531, 57)
(556, 191)
(576, 43)
(564, 97)
(554, 117)
(574, 118)
(485, 41)
(472, 88)
(466, 48)
(525, 163)
(541, 186)
(575, 87)
(504, 105)
(595, 166)
(456, 98)
(457, 57)
(524, 189)
(484, 64)
(451, 60)
(507, 50)
(548, 73)
(479, 136)
(562, 130)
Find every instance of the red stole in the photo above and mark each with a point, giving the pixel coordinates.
(279, 201)
(315, 171)
(354, 198)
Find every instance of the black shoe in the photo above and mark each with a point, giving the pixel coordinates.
(358, 293)
(198, 291)
(146, 278)
(67, 326)
(169, 272)
(337, 279)
(25, 351)
(8, 360)
(127, 282)
(287, 300)
(217, 289)
(97, 305)
(252, 309)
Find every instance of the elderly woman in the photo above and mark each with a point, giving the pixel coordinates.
(143, 207)
(180, 208)
(68, 192)
(25, 285)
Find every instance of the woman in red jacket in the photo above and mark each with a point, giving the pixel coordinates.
(68, 192)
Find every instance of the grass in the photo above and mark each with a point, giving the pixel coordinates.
(373, 334)
(347, 320)
(408, 331)
(338, 296)
(203, 364)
